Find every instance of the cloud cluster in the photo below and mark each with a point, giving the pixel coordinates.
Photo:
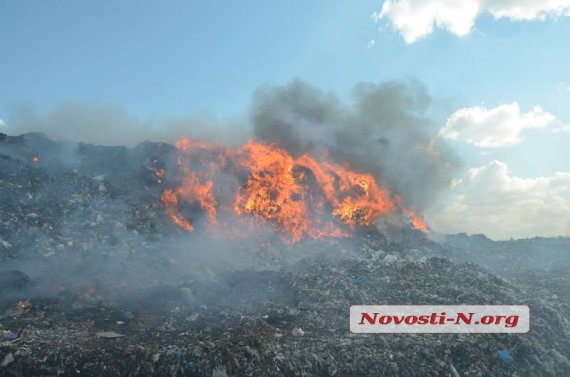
(415, 19)
(492, 201)
(497, 127)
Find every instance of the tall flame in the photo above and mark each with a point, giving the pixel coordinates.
(300, 196)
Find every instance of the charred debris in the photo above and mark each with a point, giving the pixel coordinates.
(95, 280)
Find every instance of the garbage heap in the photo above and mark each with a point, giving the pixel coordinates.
(94, 281)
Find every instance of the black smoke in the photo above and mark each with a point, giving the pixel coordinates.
(384, 130)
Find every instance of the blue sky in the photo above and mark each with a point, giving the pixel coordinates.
(172, 58)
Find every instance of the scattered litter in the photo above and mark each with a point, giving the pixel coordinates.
(390, 259)
(9, 335)
(8, 359)
(297, 331)
(219, 372)
(357, 280)
(109, 335)
(454, 371)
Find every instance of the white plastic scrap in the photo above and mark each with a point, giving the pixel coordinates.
(8, 359)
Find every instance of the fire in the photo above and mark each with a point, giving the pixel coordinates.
(300, 196)
(159, 175)
(196, 186)
(417, 222)
(24, 305)
(90, 291)
(35, 159)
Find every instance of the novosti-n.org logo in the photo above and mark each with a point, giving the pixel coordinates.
(439, 319)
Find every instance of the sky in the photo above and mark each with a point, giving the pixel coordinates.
(496, 70)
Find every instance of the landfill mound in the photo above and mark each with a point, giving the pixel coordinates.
(94, 280)
(511, 257)
(300, 329)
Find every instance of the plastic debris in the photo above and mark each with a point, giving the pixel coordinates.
(505, 356)
(9, 335)
(298, 332)
(454, 371)
(8, 359)
(357, 280)
(109, 335)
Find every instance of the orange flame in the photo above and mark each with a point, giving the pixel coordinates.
(301, 196)
(23, 305)
(90, 291)
(417, 222)
(159, 175)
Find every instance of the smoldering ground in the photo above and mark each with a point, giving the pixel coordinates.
(383, 130)
(186, 272)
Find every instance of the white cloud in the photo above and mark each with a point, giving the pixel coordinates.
(415, 19)
(496, 127)
(492, 201)
(563, 86)
(527, 10)
(371, 44)
(2, 124)
(562, 128)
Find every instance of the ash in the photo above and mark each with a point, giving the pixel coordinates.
(95, 280)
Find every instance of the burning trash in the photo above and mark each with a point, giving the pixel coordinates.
(23, 306)
(301, 196)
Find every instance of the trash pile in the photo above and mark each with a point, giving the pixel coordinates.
(95, 281)
(511, 256)
(300, 327)
(540, 265)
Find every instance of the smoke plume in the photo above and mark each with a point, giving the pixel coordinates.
(384, 131)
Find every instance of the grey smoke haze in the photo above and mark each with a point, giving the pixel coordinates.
(383, 130)
(110, 124)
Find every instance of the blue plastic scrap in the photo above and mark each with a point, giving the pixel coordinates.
(358, 279)
(505, 356)
(9, 335)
